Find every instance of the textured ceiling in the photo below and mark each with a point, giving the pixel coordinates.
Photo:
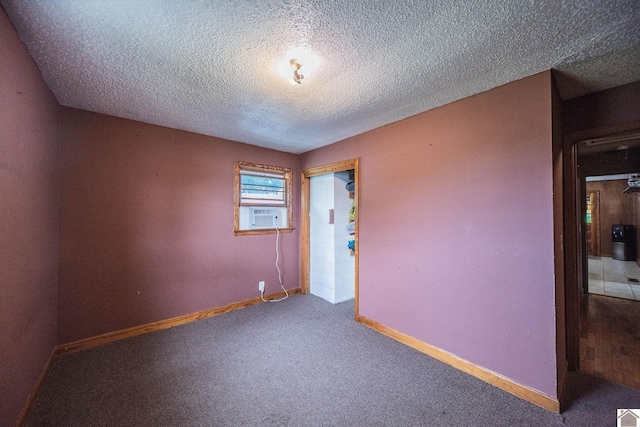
(211, 67)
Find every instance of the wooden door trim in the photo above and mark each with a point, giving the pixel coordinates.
(595, 248)
(305, 261)
(573, 242)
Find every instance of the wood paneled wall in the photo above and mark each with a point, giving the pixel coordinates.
(616, 207)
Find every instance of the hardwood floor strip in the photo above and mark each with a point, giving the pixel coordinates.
(479, 372)
(161, 324)
(610, 339)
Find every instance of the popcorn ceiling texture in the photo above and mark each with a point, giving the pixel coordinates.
(210, 66)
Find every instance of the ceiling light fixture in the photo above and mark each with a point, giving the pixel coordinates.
(297, 77)
(296, 62)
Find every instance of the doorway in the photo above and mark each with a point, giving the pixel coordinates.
(601, 337)
(350, 167)
(609, 207)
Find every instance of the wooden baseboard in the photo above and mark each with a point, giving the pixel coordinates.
(36, 388)
(161, 324)
(479, 372)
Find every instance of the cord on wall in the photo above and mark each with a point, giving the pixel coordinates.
(279, 274)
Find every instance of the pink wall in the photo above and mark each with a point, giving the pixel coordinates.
(28, 222)
(456, 228)
(147, 225)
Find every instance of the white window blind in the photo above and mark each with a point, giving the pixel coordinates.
(262, 188)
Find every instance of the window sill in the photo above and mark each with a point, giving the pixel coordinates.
(262, 231)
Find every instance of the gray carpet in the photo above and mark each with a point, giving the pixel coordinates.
(301, 362)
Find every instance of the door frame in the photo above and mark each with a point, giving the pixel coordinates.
(593, 197)
(305, 252)
(574, 242)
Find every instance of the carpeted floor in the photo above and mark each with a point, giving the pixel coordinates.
(301, 362)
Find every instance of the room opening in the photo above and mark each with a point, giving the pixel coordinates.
(329, 246)
(607, 300)
(332, 236)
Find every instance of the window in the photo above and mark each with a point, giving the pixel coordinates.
(262, 188)
(262, 197)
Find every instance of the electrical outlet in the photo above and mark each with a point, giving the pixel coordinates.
(261, 286)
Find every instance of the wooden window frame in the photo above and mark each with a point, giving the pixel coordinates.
(237, 199)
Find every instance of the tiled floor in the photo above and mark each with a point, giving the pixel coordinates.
(614, 278)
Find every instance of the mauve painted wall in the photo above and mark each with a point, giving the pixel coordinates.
(456, 228)
(29, 127)
(609, 107)
(147, 225)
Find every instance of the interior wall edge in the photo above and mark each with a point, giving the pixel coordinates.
(558, 235)
(563, 402)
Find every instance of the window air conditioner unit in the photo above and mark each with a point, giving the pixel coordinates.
(264, 218)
